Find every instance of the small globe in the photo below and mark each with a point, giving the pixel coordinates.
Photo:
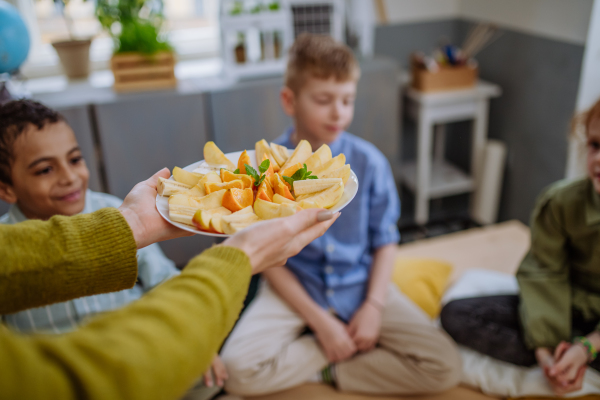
(14, 39)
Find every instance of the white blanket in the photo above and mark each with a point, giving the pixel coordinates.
(494, 377)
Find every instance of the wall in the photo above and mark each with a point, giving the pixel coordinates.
(404, 11)
(537, 61)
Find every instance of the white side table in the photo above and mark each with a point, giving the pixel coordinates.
(431, 179)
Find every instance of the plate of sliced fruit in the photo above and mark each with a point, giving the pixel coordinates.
(225, 193)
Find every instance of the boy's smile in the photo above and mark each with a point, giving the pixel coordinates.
(49, 175)
(322, 109)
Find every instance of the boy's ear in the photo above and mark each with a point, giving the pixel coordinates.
(7, 193)
(288, 101)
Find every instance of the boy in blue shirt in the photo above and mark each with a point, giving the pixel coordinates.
(331, 314)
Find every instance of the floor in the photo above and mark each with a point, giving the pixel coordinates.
(500, 247)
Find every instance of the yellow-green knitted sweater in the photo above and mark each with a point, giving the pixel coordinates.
(154, 348)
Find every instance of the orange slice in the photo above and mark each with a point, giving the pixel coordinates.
(213, 187)
(237, 199)
(265, 192)
(290, 170)
(228, 176)
(281, 188)
(244, 159)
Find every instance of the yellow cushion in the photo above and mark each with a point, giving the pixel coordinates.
(423, 280)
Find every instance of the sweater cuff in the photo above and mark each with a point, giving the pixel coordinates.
(102, 242)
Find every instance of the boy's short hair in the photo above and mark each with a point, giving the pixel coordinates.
(15, 117)
(321, 57)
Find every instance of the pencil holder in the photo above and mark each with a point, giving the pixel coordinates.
(446, 77)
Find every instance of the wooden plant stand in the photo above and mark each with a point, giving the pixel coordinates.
(135, 71)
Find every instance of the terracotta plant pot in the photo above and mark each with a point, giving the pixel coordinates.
(75, 57)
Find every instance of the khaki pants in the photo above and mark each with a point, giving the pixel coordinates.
(266, 352)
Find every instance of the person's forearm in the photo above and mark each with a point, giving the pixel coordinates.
(45, 262)
(291, 291)
(155, 348)
(381, 272)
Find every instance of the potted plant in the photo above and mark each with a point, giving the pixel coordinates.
(142, 59)
(74, 53)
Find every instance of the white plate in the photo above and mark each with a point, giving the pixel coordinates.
(162, 203)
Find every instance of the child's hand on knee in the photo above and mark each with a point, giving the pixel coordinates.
(569, 367)
(365, 326)
(333, 337)
(218, 370)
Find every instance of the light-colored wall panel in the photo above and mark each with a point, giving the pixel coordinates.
(403, 11)
(565, 20)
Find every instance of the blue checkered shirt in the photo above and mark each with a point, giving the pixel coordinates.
(334, 269)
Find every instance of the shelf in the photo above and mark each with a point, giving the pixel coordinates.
(260, 68)
(263, 20)
(446, 179)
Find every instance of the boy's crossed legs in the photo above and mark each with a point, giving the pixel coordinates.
(266, 352)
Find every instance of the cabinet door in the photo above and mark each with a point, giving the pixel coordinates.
(141, 135)
(246, 113)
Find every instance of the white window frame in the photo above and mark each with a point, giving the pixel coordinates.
(43, 60)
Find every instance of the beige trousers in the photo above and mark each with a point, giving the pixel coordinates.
(266, 352)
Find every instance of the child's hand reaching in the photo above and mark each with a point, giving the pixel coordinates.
(333, 336)
(569, 368)
(220, 373)
(365, 326)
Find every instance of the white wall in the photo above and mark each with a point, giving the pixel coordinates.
(565, 20)
(402, 11)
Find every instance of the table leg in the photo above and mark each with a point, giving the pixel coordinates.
(423, 181)
(440, 143)
(479, 134)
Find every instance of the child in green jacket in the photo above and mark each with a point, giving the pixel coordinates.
(555, 320)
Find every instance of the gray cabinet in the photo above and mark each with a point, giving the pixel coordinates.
(246, 113)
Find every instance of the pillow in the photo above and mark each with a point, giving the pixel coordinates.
(423, 280)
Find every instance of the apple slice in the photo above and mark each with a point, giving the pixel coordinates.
(343, 173)
(319, 157)
(335, 163)
(168, 187)
(314, 185)
(267, 210)
(304, 204)
(280, 153)
(214, 156)
(327, 198)
(215, 221)
(233, 223)
(183, 176)
(202, 218)
(261, 148)
(207, 202)
(279, 199)
(199, 190)
(214, 187)
(182, 214)
(300, 154)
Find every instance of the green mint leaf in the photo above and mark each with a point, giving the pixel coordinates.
(312, 177)
(251, 171)
(289, 180)
(298, 175)
(237, 171)
(262, 178)
(264, 166)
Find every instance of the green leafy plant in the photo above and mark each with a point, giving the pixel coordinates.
(300, 175)
(262, 168)
(134, 25)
